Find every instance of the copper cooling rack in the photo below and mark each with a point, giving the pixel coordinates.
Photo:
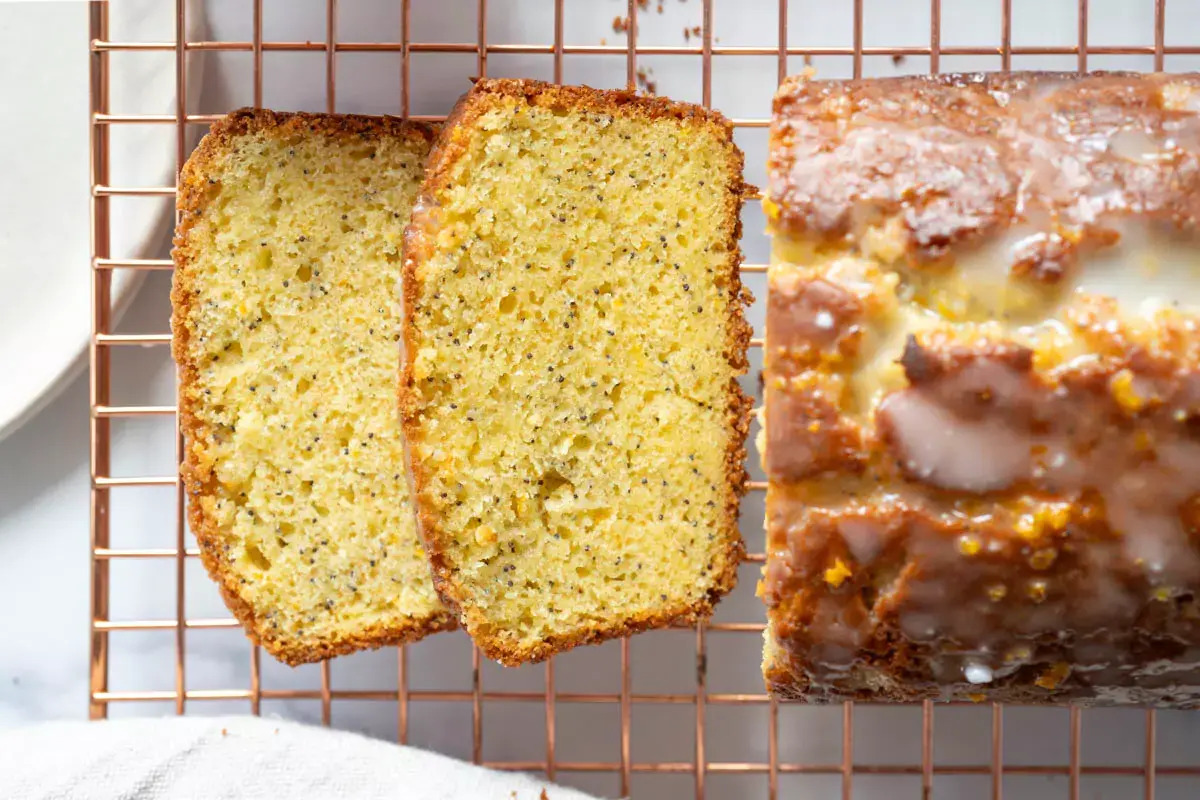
(779, 765)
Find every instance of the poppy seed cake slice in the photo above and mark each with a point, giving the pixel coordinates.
(286, 326)
(574, 333)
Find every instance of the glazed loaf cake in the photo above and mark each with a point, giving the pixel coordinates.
(983, 389)
(286, 332)
(574, 334)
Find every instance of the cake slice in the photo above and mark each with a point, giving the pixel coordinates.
(574, 333)
(286, 332)
(982, 373)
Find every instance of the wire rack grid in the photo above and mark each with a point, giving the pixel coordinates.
(776, 764)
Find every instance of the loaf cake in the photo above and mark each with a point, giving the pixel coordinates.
(573, 334)
(286, 332)
(982, 374)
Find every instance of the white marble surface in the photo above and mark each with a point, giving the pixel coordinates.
(44, 568)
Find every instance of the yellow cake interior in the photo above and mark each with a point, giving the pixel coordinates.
(294, 330)
(572, 367)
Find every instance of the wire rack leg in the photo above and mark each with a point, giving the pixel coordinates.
(99, 362)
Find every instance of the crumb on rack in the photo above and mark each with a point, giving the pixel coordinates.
(646, 81)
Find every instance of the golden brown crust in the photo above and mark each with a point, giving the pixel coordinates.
(198, 479)
(812, 318)
(907, 568)
(447, 149)
(1039, 527)
(961, 157)
(808, 435)
(1019, 519)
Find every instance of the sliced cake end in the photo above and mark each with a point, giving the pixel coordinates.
(574, 336)
(286, 332)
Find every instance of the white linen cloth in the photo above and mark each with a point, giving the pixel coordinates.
(248, 758)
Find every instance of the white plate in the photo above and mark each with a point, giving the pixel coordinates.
(45, 297)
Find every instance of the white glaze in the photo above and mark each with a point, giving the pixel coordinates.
(977, 673)
(947, 451)
(1150, 267)
(863, 537)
